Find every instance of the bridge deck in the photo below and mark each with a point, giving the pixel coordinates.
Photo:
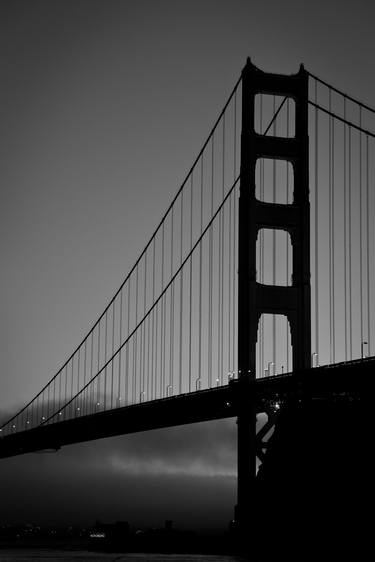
(215, 403)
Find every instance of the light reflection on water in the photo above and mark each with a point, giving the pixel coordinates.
(23, 555)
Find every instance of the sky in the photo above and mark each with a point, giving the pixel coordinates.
(103, 107)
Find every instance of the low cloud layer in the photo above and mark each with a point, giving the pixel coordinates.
(186, 473)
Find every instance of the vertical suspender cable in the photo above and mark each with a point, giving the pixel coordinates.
(71, 381)
(333, 244)
(113, 349)
(127, 381)
(135, 358)
(148, 374)
(229, 315)
(330, 226)
(164, 350)
(157, 348)
(274, 246)
(153, 359)
(210, 269)
(141, 343)
(78, 372)
(234, 233)
(219, 300)
(181, 294)
(91, 395)
(60, 383)
(230, 281)
(350, 244)
(54, 392)
(148, 354)
(84, 375)
(162, 318)
(200, 279)
(156, 382)
(120, 355)
(73, 392)
(135, 346)
(368, 248)
(144, 323)
(66, 388)
(360, 231)
(287, 236)
(98, 367)
(48, 395)
(345, 242)
(79, 403)
(171, 315)
(191, 275)
(105, 359)
(222, 214)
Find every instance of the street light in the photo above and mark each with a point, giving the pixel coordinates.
(315, 359)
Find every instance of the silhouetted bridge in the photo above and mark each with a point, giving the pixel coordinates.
(255, 294)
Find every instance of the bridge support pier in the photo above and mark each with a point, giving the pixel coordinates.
(246, 457)
(255, 298)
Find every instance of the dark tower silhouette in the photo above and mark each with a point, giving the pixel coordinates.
(254, 298)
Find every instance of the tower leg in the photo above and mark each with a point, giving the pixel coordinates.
(246, 466)
(254, 298)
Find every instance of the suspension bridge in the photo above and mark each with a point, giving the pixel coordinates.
(256, 287)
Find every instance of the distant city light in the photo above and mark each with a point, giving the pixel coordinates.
(97, 535)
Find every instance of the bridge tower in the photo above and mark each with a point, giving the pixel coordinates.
(254, 298)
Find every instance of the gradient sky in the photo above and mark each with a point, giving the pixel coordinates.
(103, 107)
